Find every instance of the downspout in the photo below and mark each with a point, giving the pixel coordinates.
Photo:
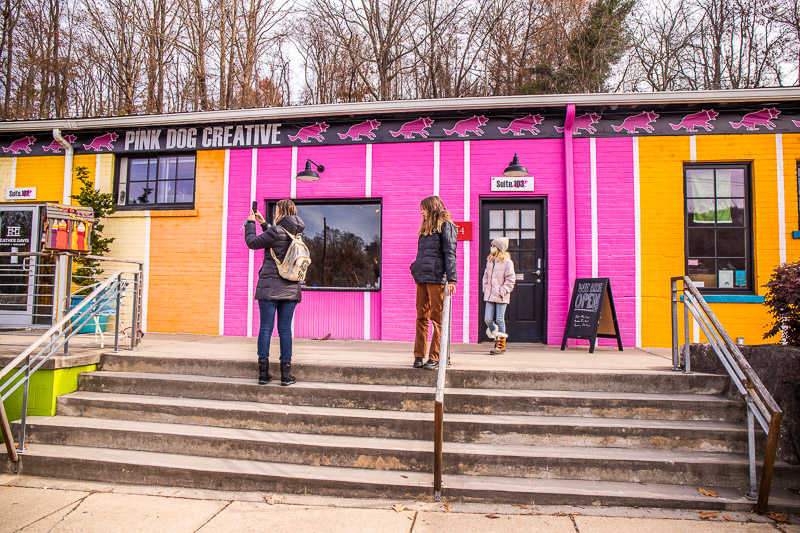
(66, 198)
(569, 176)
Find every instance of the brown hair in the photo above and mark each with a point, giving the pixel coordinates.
(284, 208)
(436, 215)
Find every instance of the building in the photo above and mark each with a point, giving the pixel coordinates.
(636, 188)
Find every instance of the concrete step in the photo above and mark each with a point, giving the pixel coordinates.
(140, 467)
(529, 430)
(403, 374)
(595, 464)
(420, 398)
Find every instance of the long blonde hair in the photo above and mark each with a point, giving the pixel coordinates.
(502, 255)
(435, 215)
(284, 208)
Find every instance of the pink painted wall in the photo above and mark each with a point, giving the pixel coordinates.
(616, 228)
(402, 174)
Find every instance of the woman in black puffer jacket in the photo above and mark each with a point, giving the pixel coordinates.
(274, 293)
(434, 267)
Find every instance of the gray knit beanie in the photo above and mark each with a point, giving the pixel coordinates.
(501, 243)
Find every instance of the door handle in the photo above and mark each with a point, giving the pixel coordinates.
(538, 272)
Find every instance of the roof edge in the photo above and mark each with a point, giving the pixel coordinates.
(399, 106)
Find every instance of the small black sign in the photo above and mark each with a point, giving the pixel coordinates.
(592, 313)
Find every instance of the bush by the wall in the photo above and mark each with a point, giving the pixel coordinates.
(783, 301)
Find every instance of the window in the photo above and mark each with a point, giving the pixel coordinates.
(344, 238)
(157, 181)
(718, 238)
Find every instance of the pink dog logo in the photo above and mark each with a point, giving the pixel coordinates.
(697, 120)
(583, 122)
(796, 123)
(418, 126)
(642, 120)
(55, 146)
(103, 141)
(363, 128)
(519, 125)
(20, 145)
(310, 132)
(751, 121)
(473, 125)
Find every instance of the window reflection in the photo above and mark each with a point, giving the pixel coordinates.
(344, 240)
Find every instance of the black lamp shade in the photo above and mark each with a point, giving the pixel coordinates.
(308, 174)
(514, 169)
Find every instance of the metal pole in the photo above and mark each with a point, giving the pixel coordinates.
(67, 286)
(674, 305)
(687, 358)
(438, 432)
(135, 309)
(116, 319)
(24, 417)
(751, 449)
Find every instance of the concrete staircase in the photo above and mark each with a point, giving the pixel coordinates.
(581, 438)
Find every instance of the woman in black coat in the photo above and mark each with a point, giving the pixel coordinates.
(434, 267)
(274, 293)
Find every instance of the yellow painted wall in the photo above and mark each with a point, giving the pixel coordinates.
(6, 174)
(185, 257)
(45, 173)
(662, 224)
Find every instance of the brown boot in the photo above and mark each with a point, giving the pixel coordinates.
(499, 344)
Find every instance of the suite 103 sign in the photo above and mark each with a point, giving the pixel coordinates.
(520, 184)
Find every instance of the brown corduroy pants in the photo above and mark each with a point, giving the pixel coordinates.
(430, 300)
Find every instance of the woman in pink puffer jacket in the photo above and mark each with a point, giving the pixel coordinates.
(498, 282)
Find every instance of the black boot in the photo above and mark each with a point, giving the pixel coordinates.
(286, 374)
(263, 372)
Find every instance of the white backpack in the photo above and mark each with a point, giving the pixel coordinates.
(295, 263)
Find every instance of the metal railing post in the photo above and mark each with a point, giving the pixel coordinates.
(751, 448)
(687, 357)
(67, 300)
(438, 405)
(438, 435)
(768, 467)
(7, 438)
(116, 320)
(674, 306)
(135, 310)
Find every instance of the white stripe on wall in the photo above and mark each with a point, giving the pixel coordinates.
(695, 330)
(13, 173)
(693, 148)
(781, 199)
(367, 315)
(146, 270)
(97, 159)
(637, 205)
(466, 287)
(224, 255)
(593, 174)
(368, 193)
(436, 168)
(293, 193)
(250, 253)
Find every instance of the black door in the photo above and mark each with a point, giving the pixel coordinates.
(523, 222)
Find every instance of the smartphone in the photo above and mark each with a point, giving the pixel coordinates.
(254, 207)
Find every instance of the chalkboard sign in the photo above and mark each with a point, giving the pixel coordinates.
(592, 313)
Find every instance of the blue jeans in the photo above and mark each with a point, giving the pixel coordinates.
(285, 310)
(495, 314)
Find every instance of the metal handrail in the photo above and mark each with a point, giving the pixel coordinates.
(438, 406)
(761, 406)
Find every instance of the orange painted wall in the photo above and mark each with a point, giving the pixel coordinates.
(185, 266)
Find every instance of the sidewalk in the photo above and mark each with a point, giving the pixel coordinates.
(37, 505)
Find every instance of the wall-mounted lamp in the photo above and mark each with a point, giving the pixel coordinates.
(514, 169)
(308, 174)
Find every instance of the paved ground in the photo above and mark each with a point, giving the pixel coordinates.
(37, 505)
(376, 353)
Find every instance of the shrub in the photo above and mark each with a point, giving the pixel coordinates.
(103, 205)
(783, 300)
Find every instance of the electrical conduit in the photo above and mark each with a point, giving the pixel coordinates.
(569, 177)
(66, 198)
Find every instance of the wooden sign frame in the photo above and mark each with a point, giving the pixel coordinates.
(592, 314)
